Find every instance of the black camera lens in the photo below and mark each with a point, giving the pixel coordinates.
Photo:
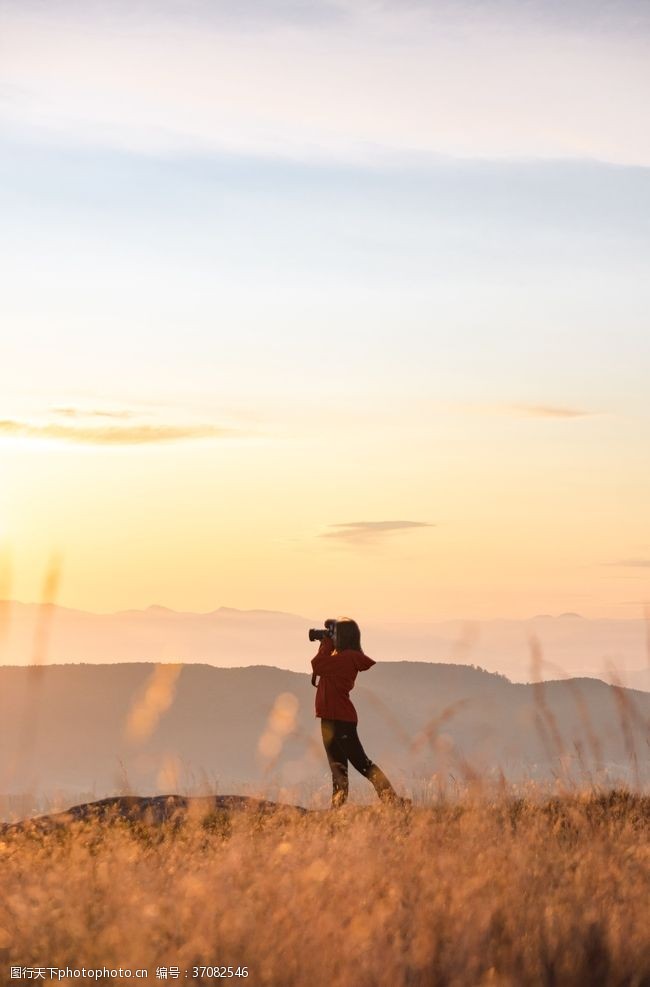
(316, 634)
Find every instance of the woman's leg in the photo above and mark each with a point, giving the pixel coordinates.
(337, 759)
(349, 742)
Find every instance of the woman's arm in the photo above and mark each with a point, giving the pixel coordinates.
(323, 661)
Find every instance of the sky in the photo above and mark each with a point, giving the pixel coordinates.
(326, 307)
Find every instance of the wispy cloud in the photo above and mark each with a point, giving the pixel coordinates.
(524, 410)
(81, 413)
(547, 411)
(631, 563)
(110, 435)
(350, 80)
(370, 531)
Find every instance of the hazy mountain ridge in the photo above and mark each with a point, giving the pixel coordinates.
(225, 637)
(65, 727)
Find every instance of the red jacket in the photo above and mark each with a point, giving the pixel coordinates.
(337, 671)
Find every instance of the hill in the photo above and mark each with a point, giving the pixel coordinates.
(150, 728)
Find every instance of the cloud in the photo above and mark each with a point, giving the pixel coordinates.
(548, 411)
(91, 413)
(353, 81)
(370, 531)
(632, 563)
(110, 435)
(552, 411)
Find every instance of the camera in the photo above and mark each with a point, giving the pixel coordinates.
(319, 634)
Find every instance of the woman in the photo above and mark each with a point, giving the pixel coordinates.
(337, 663)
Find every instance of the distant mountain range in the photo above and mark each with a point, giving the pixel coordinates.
(96, 730)
(570, 644)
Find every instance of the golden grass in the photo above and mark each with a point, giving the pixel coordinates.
(479, 891)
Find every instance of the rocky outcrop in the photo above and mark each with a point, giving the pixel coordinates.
(151, 810)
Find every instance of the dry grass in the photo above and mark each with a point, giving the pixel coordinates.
(481, 891)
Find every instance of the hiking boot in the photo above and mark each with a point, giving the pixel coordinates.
(392, 798)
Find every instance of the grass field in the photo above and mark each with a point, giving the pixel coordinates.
(508, 891)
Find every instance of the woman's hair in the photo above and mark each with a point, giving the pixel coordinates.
(347, 634)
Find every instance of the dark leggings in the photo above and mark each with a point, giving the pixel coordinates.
(342, 744)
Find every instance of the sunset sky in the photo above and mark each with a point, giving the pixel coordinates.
(326, 307)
